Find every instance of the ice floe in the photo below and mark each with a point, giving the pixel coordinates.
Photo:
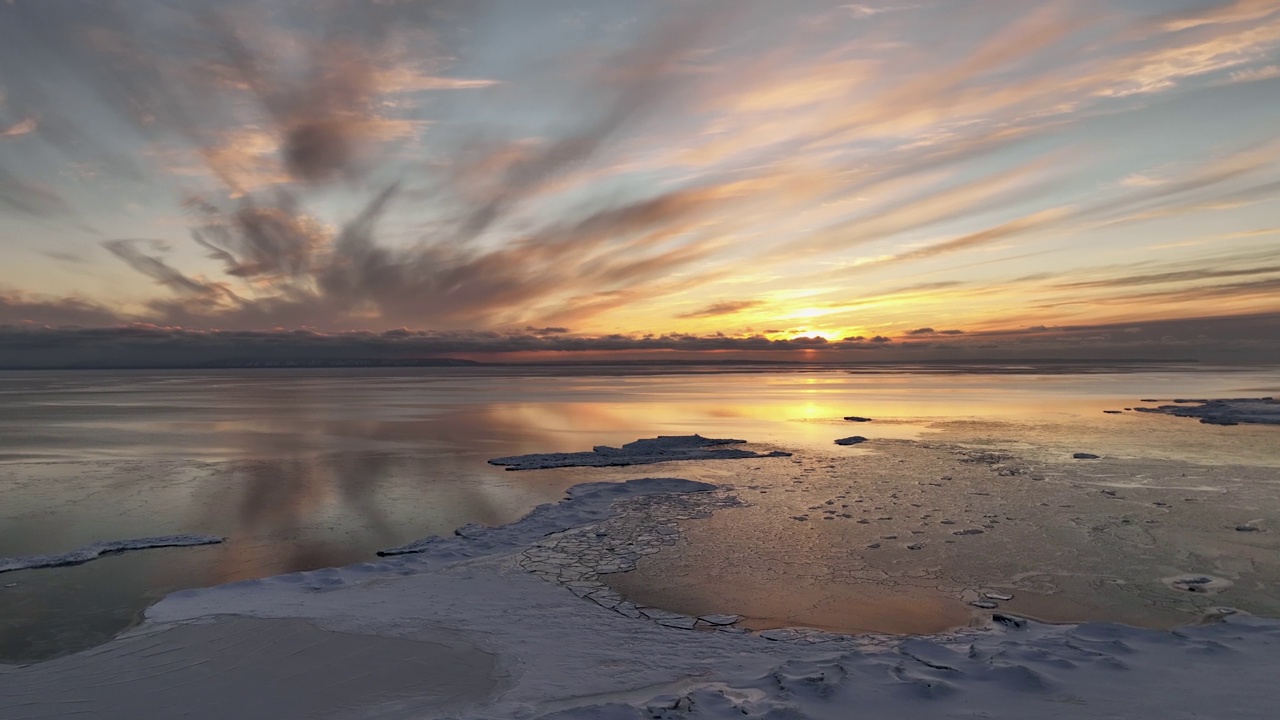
(664, 448)
(1231, 411)
(95, 550)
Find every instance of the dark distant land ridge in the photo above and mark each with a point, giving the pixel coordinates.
(1007, 365)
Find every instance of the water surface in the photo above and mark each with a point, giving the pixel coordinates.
(302, 469)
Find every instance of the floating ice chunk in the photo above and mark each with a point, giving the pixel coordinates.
(855, 440)
(1230, 411)
(665, 448)
(855, 418)
(985, 604)
(1206, 584)
(1086, 456)
(720, 619)
(98, 549)
(997, 596)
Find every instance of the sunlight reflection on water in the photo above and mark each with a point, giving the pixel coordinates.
(306, 469)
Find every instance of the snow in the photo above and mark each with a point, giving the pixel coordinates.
(460, 629)
(664, 448)
(95, 550)
(251, 669)
(1231, 411)
(584, 503)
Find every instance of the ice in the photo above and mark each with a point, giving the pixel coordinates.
(1232, 411)
(664, 448)
(1058, 675)
(855, 440)
(584, 503)
(95, 550)
(680, 622)
(1205, 584)
(252, 669)
(461, 630)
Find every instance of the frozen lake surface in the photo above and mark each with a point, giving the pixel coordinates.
(309, 469)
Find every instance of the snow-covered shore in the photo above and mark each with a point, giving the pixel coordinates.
(485, 638)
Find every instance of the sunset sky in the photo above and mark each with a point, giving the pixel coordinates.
(927, 178)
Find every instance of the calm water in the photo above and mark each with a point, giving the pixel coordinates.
(307, 469)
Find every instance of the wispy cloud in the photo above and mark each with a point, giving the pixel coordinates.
(22, 127)
(731, 307)
(377, 165)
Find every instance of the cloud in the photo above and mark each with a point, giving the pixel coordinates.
(624, 88)
(719, 309)
(352, 166)
(283, 265)
(1010, 229)
(866, 11)
(1171, 277)
(21, 309)
(928, 331)
(156, 268)
(256, 99)
(1257, 74)
(1221, 13)
(22, 127)
(255, 239)
(30, 198)
(1241, 339)
(66, 257)
(306, 273)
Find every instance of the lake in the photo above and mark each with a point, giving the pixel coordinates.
(301, 469)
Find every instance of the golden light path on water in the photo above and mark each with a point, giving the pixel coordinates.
(307, 469)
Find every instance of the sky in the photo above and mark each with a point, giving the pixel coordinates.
(599, 178)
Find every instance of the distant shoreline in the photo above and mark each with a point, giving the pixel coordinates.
(987, 364)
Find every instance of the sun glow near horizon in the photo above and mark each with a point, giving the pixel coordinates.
(627, 171)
